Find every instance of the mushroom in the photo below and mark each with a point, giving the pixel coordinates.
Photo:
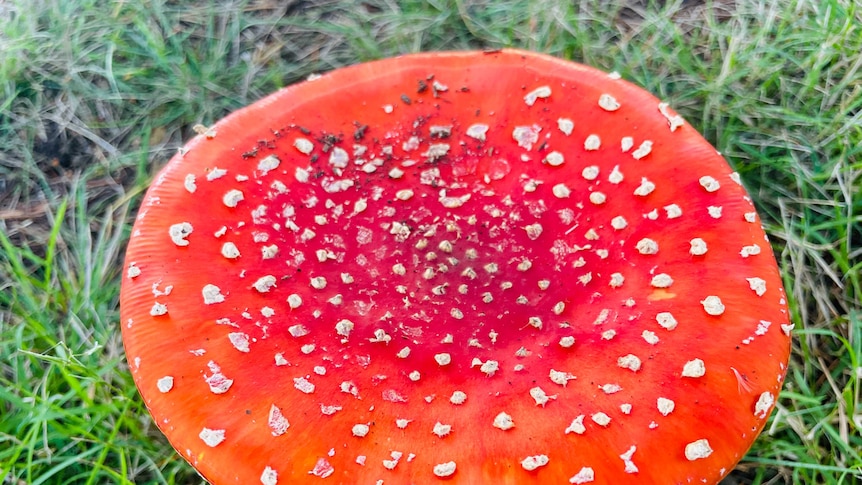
(468, 267)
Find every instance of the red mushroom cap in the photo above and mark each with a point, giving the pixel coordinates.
(474, 267)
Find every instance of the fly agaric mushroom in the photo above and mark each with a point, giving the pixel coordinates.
(474, 267)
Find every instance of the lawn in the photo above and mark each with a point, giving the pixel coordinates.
(96, 96)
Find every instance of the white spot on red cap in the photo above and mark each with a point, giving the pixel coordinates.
(269, 252)
(758, 285)
(216, 173)
(264, 283)
(304, 145)
(380, 336)
(610, 388)
(672, 211)
(619, 223)
(268, 164)
(593, 142)
(554, 159)
(626, 143)
(443, 358)
(763, 405)
(645, 188)
(158, 309)
(338, 158)
(577, 426)
(710, 184)
(318, 282)
(567, 341)
(694, 368)
(615, 176)
(608, 102)
(666, 320)
(165, 384)
(157, 292)
(239, 340)
(665, 406)
(630, 362)
(233, 197)
(445, 469)
(643, 150)
(489, 367)
(540, 92)
(630, 467)
(344, 327)
(360, 430)
(561, 191)
(294, 301)
(391, 395)
(441, 429)
(647, 246)
(218, 383)
(590, 173)
(329, 409)
(133, 271)
(650, 337)
(301, 175)
(269, 476)
(391, 464)
(477, 131)
(601, 419)
(661, 280)
(278, 424)
(674, 121)
(404, 194)
(585, 475)
(697, 450)
(212, 437)
(698, 247)
(561, 378)
(713, 305)
(526, 135)
(598, 198)
(503, 421)
(450, 202)
(751, 250)
(565, 125)
(303, 385)
(531, 463)
(179, 232)
(189, 183)
(322, 468)
(212, 294)
(229, 250)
